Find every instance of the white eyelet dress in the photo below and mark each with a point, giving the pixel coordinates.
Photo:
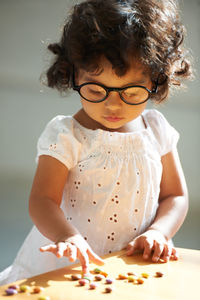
(112, 190)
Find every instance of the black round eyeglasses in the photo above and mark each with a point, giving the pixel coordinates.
(132, 95)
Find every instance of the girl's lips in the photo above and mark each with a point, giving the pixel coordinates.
(113, 119)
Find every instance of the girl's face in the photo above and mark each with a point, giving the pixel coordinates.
(113, 114)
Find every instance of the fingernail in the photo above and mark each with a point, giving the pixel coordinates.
(155, 258)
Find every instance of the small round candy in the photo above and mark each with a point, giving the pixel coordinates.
(44, 298)
(37, 289)
(122, 276)
(104, 274)
(75, 277)
(109, 280)
(145, 275)
(99, 277)
(159, 274)
(87, 278)
(93, 285)
(83, 281)
(97, 270)
(10, 292)
(131, 278)
(140, 280)
(14, 287)
(131, 274)
(108, 290)
(24, 288)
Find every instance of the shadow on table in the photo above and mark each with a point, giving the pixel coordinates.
(44, 280)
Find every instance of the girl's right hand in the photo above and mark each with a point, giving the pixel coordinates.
(74, 248)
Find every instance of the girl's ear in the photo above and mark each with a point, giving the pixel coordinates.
(161, 78)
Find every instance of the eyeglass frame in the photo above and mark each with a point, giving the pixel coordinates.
(114, 89)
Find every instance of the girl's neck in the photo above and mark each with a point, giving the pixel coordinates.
(83, 119)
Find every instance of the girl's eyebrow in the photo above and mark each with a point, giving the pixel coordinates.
(138, 82)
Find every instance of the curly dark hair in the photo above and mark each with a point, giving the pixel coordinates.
(118, 30)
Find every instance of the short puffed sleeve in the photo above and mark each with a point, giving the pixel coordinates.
(58, 140)
(166, 136)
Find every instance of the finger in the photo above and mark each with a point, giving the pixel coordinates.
(84, 260)
(148, 246)
(167, 253)
(158, 250)
(174, 254)
(131, 247)
(61, 247)
(50, 248)
(94, 257)
(72, 253)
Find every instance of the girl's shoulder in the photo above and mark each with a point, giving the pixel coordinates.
(60, 121)
(153, 116)
(164, 133)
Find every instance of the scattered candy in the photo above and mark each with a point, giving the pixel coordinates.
(104, 274)
(75, 277)
(97, 270)
(10, 292)
(93, 285)
(24, 288)
(140, 280)
(159, 274)
(14, 287)
(108, 289)
(145, 275)
(99, 277)
(87, 278)
(109, 280)
(83, 281)
(44, 298)
(122, 276)
(131, 274)
(37, 289)
(131, 278)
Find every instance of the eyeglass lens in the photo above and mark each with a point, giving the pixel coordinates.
(94, 92)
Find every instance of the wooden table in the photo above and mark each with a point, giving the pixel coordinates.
(181, 280)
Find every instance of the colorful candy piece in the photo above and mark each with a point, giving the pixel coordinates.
(140, 280)
(131, 278)
(93, 285)
(109, 280)
(75, 277)
(131, 274)
(83, 281)
(99, 277)
(145, 275)
(37, 289)
(97, 271)
(108, 289)
(159, 274)
(24, 288)
(122, 276)
(10, 292)
(87, 278)
(104, 274)
(44, 298)
(14, 287)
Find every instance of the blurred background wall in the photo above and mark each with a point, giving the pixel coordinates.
(26, 27)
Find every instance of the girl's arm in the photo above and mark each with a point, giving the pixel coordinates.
(173, 206)
(45, 211)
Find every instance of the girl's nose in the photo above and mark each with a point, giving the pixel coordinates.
(113, 101)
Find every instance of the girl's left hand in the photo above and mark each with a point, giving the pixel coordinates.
(153, 241)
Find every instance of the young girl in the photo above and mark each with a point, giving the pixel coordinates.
(109, 177)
